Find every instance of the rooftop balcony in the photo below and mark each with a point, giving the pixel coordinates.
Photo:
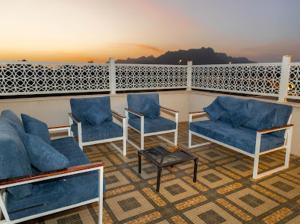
(43, 90)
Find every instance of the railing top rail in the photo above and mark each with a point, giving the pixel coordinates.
(295, 63)
(51, 63)
(238, 64)
(150, 65)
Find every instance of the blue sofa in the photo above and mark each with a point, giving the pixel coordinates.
(30, 193)
(251, 127)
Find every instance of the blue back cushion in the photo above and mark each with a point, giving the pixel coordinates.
(80, 108)
(36, 127)
(14, 121)
(43, 156)
(275, 115)
(96, 116)
(14, 161)
(236, 110)
(147, 104)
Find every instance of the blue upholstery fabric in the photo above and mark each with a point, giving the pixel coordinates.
(94, 116)
(147, 104)
(43, 156)
(242, 138)
(105, 130)
(58, 193)
(234, 108)
(14, 161)
(79, 107)
(153, 125)
(36, 127)
(214, 110)
(14, 121)
(260, 109)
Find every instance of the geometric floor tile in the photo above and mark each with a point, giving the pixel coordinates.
(252, 201)
(115, 179)
(295, 172)
(176, 190)
(128, 205)
(213, 178)
(224, 191)
(240, 167)
(149, 171)
(210, 214)
(282, 186)
(211, 154)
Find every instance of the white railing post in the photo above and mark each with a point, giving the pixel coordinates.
(284, 78)
(189, 75)
(112, 76)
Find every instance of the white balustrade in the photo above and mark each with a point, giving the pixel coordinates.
(280, 80)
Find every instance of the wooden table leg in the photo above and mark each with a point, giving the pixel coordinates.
(195, 169)
(158, 178)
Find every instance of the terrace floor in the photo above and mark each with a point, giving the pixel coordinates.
(224, 192)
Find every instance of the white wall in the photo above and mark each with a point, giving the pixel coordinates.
(53, 110)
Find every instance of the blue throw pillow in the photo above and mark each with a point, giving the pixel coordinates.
(214, 110)
(14, 121)
(96, 116)
(36, 127)
(43, 156)
(14, 161)
(151, 109)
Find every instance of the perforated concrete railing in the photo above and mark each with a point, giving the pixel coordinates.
(267, 79)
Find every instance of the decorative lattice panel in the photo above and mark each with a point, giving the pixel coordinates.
(294, 83)
(28, 78)
(260, 79)
(130, 77)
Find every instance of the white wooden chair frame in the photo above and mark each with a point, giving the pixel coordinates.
(142, 131)
(4, 184)
(257, 154)
(117, 117)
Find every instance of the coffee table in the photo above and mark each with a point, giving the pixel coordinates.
(162, 158)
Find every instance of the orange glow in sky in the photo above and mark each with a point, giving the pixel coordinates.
(84, 30)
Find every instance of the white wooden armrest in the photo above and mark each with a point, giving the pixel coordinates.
(134, 112)
(59, 128)
(196, 114)
(265, 131)
(169, 110)
(50, 175)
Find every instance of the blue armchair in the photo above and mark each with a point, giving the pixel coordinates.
(93, 122)
(144, 116)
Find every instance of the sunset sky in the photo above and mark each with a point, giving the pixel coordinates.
(83, 30)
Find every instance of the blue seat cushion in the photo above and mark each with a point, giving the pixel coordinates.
(14, 121)
(242, 138)
(54, 194)
(14, 161)
(147, 104)
(43, 156)
(103, 131)
(36, 127)
(61, 192)
(153, 125)
(81, 107)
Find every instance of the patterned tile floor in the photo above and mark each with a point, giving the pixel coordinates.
(224, 192)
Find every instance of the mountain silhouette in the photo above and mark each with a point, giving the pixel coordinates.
(198, 56)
